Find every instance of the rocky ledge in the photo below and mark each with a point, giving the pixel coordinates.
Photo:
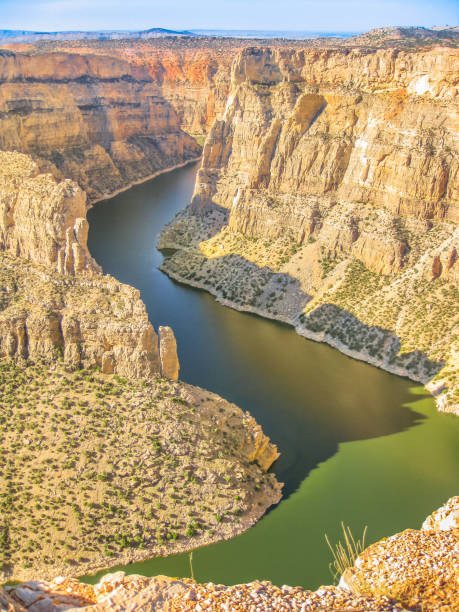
(412, 570)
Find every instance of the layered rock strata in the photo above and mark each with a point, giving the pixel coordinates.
(102, 122)
(55, 303)
(168, 353)
(86, 322)
(328, 198)
(111, 113)
(415, 569)
(41, 219)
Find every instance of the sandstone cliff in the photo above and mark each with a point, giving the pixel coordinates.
(102, 122)
(345, 125)
(43, 220)
(55, 303)
(110, 113)
(168, 353)
(328, 197)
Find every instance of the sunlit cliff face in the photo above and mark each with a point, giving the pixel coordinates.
(345, 153)
(330, 171)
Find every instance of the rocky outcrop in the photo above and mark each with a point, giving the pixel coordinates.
(328, 198)
(7, 604)
(55, 303)
(416, 567)
(119, 592)
(445, 518)
(339, 125)
(258, 446)
(410, 570)
(95, 322)
(414, 35)
(168, 353)
(41, 219)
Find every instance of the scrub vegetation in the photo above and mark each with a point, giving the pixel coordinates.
(96, 469)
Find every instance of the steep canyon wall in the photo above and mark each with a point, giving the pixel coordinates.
(55, 304)
(328, 197)
(101, 121)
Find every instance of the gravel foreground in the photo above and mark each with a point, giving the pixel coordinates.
(412, 570)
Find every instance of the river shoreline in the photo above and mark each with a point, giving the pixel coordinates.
(302, 331)
(113, 194)
(147, 554)
(433, 388)
(302, 395)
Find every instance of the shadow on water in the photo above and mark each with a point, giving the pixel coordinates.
(308, 397)
(326, 412)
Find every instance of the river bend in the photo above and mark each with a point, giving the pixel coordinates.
(357, 444)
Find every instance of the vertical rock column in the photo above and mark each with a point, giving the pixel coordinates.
(168, 353)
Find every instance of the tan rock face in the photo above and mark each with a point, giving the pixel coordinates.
(192, 77)
(259, 448)
(445, 518)
(336, 170)
(366, 136)
(56, 302)
(168, 353)
(41, 219)
(85, 322)
(101, 121)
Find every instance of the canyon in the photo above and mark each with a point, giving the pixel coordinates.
(328, 192)
(327, 198)
(108, 116)
(76, 346)
(62, 318)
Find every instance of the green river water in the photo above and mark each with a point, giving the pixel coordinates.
(357, 444)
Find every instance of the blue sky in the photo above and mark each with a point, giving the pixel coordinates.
(344, 15)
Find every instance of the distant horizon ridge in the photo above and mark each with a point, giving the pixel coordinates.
(32, 36)
(219, 29)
